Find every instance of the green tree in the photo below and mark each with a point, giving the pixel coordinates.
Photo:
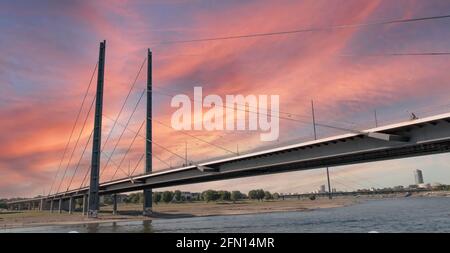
(276, 195)
(167, 196)
(256, 194)
(210, 195)
(132, 198)
(236, 195)
(136, 198)
(3, 204)
(107, 199)
(267, 195)
(156, 197)
(78, 203)
(178, 195)
(261, 194)
(252, 194)
(224, 195)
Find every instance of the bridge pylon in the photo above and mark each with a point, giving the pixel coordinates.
(147, 208)
(96, 146)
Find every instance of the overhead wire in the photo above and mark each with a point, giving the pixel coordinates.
(306, 30)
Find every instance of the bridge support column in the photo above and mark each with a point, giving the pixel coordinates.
(41, 205)
(85, 204)
(114, 199)
(147, 208)
(94, 201)
(60, 206)
(51, 205)
(71, 205)
(329, 185)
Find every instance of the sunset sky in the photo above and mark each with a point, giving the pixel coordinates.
(49, 50)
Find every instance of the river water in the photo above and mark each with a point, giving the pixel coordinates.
(424, 214)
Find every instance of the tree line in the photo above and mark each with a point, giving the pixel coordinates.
(208, 196)
(178, 196)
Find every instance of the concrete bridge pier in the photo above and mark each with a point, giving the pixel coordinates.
(71, 205)
(41, 205)
(60, 206)
(114, 199)
(51, 205)
(44, 205)
(85, 204)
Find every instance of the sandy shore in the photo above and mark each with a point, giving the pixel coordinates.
(131, 212)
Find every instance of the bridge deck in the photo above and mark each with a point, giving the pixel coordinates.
(418, 137)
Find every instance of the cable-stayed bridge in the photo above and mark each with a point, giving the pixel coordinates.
(415, 137)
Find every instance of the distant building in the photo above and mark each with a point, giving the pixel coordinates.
(418, 177)
(436, 186)
(398, 188)
(424, 186)
(190, 196)
(322, 189)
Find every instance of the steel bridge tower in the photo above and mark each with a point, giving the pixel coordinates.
(96, 144)
(148, 144)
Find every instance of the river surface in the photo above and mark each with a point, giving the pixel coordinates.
(424, 214)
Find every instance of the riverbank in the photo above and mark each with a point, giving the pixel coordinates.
(132, 212)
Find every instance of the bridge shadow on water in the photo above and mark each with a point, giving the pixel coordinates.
(159, 215)
(115, 227)
(10, 212)
(143, 226)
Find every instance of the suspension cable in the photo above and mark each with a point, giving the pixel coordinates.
(73, 129)
(124, 103)
(279, 117)
(121, 135)
(152, 141)
(76, 144)
(126, 153)
(79, 161)
(195, 137)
